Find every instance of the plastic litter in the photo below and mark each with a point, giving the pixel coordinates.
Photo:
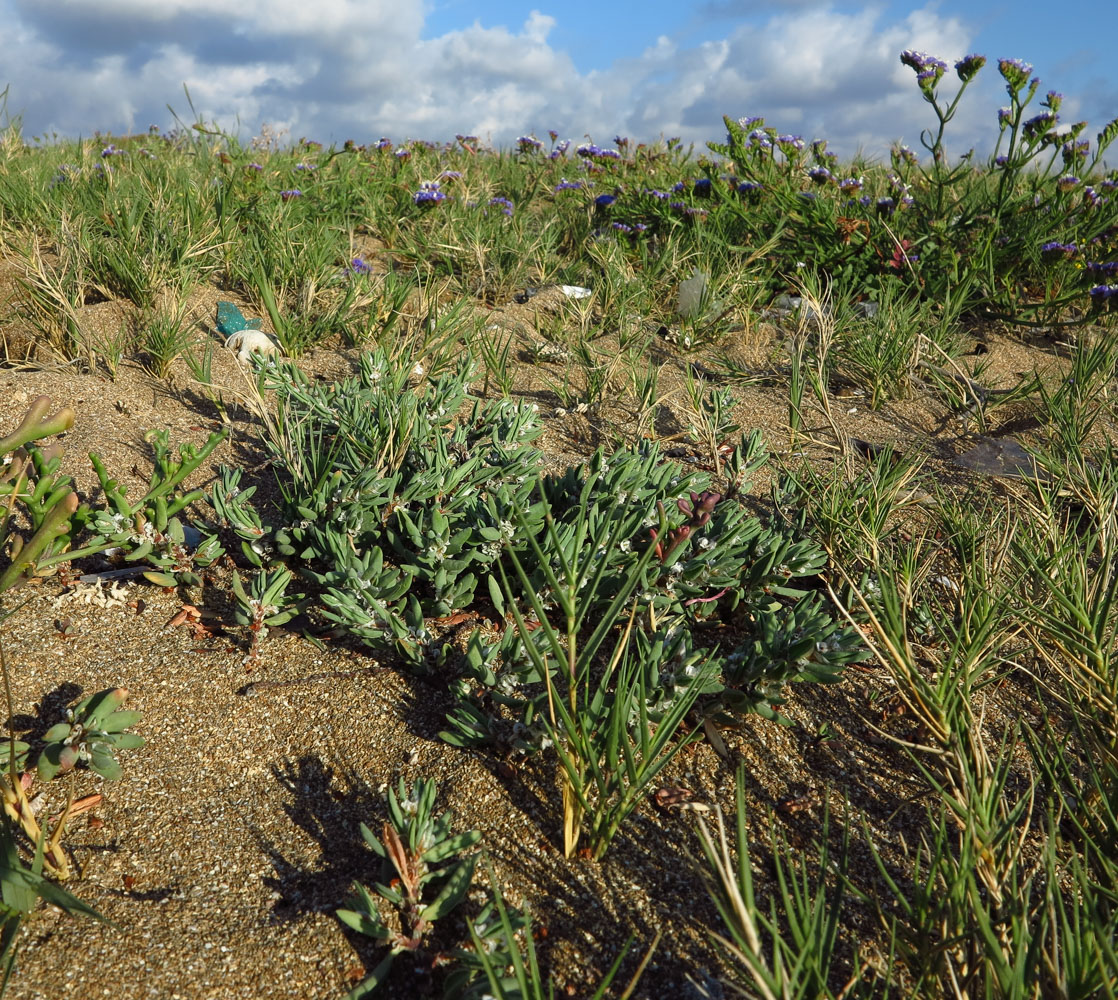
(999, 457)
(575, 291)
(694, 301)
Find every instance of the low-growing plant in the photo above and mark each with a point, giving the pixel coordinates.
(850, 511)
(882, 352)
(52, 289)
(425, 876)
(608, 757)
(788, 951)
(30, 480)
(266, 604)
(165, 335)
(92, 732)
(149, 530)
(526, 981)
(709, 417)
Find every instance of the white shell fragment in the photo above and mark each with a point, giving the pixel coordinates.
(247, 342)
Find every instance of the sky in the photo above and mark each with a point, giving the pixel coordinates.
(333, 70)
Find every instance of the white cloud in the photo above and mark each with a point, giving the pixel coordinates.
(342, 69)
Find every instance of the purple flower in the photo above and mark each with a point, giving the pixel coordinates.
(929, 69)
(1036, 127)
(258, 167)
(384, 143)
(66, 172)
(1103, 294)
(968, 66)
(745, 124)
(850, 185)
(112, 150)
(1107, 270)
(1093, 198)
(1001, 161)
(1015, 72)
(428, 193)
(886, 206)
(1075, 152)
(790, 142)
(528, 144)
(306, 166)
(749, 188)
(506, 206)
(451, 175)
(904, 153)
(291, 194)
(659, 195)
(359, 266)
(1055, 250)
(1005, 116)
(820, 175)
(566, 185)
(702, 187)
(560, 149)
(401, 153)
(605, 200)
(1052, 100)
(595, 152)
(622, 227)
(1067, 183)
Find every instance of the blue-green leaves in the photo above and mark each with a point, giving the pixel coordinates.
(92, 733)
(424, 877)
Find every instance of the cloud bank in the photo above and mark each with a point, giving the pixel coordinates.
(341, 69)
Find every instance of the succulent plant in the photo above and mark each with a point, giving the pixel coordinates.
(149, 530)
(92, 733)
(30, 480)
(424, 877)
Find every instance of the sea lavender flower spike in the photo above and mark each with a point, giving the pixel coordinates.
(968, 67)
(1016, 73)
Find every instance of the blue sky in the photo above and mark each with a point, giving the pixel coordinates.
(338, 69)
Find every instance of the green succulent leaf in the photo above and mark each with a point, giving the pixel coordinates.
(453, 891)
